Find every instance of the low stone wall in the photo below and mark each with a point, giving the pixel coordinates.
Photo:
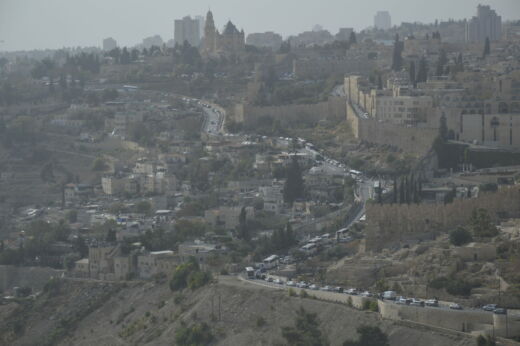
(506, 325)
(460, 320)
(34, 277)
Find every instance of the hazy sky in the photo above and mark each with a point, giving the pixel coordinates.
(38, 24)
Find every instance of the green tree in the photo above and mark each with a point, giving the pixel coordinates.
(443, 128)
(460, 236)
(481, 223)
(196, 335)
(379, 81)
(143, 207)
(294, 186)
(485, 341)
(197, 279)
(441, 62)
(412, 73)
(180, 276)
(306, 330)
(72, 216)
(369, 336)
(397, 59)
(352, 39)
(487, 48)
(99, 164)
(422, 74)
(242, 225)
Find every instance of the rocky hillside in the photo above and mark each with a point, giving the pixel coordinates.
(135, 313)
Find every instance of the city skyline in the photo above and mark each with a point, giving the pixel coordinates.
(129, 21)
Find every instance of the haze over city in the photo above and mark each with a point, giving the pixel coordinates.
(229, 173)
(36, 24)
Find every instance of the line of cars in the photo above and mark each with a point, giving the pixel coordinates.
(390, 295)
(314, 287)
(387, 295)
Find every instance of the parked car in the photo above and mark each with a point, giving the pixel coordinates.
(314, 287)
(338, 289)
(455, 306)
(390, 295)
(352, 291)
(402, 300)
(302, 284)
(326, 288)
(269, 279)
(417, 302)
(290, 283)
(366, 294)
(489, 307)
(432, 302)
(500, 311)
(278, 281)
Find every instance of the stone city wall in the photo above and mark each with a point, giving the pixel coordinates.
(316, 68)
(334, 109)
(413, 140)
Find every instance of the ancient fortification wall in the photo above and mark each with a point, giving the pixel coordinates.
(316, 68)
(334, 108)
(416, 141)
(391, 225)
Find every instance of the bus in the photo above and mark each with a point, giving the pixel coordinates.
(271, 262)
(250, 271)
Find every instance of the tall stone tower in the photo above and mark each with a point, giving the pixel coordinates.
(210, 35)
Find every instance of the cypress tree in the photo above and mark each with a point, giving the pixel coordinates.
(407, 190)
(352, 39)
(441, 62)
(395, 191)
(487, 48)
(401, 191)
(422, 75)
(397, 60)
(242, 224)
(294, 187)
(412, 74)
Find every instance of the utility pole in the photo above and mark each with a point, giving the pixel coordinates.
(219, 310)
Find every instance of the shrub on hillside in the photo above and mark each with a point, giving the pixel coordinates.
(454, 286)
(460, 236)
(196, 335)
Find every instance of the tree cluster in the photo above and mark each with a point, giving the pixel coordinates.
(294, 186)
(408, 190)
(305, 331)
(189, 275)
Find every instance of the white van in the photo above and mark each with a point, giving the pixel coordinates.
(390, 295)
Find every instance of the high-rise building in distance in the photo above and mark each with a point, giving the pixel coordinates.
(382, 20)
(109, 44)
(202, 24)
(187, 29)
(486, 24)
